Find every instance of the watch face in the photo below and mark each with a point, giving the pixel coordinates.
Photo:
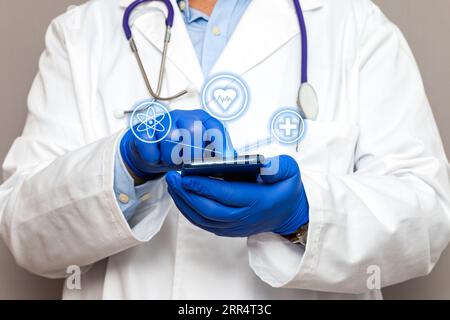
(300, 236)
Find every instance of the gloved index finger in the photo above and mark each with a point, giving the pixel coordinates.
(278, 169)
(233, 194)
(194, 217)
(217, 133)
(208, 208)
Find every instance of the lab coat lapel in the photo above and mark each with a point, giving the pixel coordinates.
(265, 27)
(181, 52)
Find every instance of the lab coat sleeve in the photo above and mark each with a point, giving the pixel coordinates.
(124, 187)
(147, 204)
(390, 219)
(57, 205)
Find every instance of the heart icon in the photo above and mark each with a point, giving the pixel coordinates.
(225, 97)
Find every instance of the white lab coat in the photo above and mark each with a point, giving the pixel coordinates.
(373, 165)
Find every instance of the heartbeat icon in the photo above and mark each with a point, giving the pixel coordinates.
(225, 97)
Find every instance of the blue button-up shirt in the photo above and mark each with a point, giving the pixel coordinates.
(209, 35)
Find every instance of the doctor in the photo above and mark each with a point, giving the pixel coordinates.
(370, 181)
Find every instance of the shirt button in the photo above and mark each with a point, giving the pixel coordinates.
(123, 198)
(145, 197)
(182, 5)
(216, 31)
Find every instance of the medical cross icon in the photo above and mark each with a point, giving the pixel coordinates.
(288, 126)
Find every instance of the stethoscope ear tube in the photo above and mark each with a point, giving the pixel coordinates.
(129, 35)
(129, 10)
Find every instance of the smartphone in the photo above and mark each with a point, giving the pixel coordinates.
(238, 168)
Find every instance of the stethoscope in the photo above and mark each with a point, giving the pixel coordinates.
(307, 100)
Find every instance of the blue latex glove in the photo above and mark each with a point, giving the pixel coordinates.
(276, 204)
(150, 160)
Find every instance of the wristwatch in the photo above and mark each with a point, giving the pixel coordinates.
(300, 236)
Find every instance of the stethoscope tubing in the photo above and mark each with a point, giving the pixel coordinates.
(129, 35)
(129, 10)
(169, 24)
(304, 41)
(156, 95)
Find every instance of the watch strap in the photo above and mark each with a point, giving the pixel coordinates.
(300, 236)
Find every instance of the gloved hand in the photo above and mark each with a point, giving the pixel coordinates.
(191, 133)
(276, 204)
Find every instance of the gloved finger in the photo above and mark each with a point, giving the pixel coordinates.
(148, 152)
(218, 228)
(172, 146)
(206, 207)
(193, 216)
(218, 137)
(279, 169)
(148, 139)
(192, 130)
(229, 193)
(180, 144)
(239, 232)
(163, 124)
(144, 153)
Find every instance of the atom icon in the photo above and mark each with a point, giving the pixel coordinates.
(149, 118)
(150, 122)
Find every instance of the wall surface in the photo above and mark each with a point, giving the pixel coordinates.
(22, 27)
(426, 25)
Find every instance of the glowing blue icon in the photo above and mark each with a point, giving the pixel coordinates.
(150, 121)
(288, 126)
(225, 97)
(150, 124)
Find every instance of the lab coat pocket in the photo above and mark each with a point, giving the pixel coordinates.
(327, 147)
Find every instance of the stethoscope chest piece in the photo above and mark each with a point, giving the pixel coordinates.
(308, 102)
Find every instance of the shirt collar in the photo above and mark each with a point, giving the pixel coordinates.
(190, 15)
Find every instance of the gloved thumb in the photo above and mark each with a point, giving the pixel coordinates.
(278, 169)
(148, 152)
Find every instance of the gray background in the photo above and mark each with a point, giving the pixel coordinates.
(22, 27)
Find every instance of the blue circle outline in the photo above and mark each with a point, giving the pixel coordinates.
(233, 78)
(287, 111)
(149, 103)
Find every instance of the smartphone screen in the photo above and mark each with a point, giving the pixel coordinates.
(238, 168)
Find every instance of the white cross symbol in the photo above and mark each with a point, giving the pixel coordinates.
(288, 126)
